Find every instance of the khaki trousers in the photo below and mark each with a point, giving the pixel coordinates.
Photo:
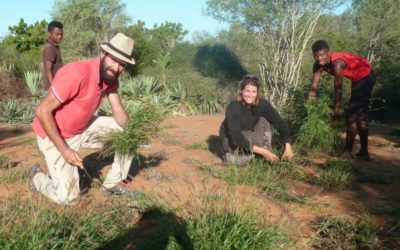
(62, 186)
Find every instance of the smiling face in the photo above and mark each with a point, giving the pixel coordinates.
(249, 94)
(110, 67)
(322, 57)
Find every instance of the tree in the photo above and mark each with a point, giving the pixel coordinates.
(88, 23)
(282, 29)
(27, 37)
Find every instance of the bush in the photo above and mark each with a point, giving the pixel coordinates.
(315, 133)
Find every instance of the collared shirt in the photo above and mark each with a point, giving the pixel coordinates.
(77, 86)
(357, 67)
(51, 53)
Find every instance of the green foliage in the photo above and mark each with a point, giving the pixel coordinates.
(337, 174)
(4, 161)
(14, 175)
(167, 35)
(27, 37)
(140, 86)
(34, 81)
(179, 93)
(217, 229)
(316, 133)
(346, 233)
(13, 111)
(143, 124)
(219, 62)
(64, 228)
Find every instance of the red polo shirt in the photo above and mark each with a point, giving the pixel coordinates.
(76, 86)
(357, 67)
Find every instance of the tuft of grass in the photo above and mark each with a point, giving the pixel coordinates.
(143, 125)
(4, 161)
(171, 141)
(337, 174)
(346, 233)
(28, 140)
(197, 146)
(14, 175)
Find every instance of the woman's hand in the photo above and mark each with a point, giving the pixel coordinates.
(270, 156)
(288, 153)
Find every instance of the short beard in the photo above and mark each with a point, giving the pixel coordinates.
(104, 77)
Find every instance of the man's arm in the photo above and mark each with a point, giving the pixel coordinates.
(314, 84)
(338, 67)
(48, 71)
(45, 115)
(118, 111)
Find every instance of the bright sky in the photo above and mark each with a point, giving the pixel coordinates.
(186, 12)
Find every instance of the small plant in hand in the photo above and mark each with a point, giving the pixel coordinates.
(316, 133)
(144, 124)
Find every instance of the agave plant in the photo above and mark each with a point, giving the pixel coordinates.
(178, 93)
(210, 106)
(140, 86)
(12, 111)
(34, 80)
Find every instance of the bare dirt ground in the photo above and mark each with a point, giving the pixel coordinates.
(166, 170)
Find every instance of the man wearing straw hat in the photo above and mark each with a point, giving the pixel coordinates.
(64, 121)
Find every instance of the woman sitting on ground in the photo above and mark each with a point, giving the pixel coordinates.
(247, 124)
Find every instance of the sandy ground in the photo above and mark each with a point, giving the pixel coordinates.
(166, 170)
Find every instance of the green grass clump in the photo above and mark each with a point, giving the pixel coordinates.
(14, 175)
(197, 146)
(345, 233)
(143, 124)
(315, 133)
(26, 225)
(337, 174)
(4, 161)
(233, 230)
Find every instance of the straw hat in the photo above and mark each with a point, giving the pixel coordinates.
(120, 46)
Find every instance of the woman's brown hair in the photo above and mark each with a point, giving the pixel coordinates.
(248, 80)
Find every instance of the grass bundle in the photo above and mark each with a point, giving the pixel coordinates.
(316, 133)
(144, 124)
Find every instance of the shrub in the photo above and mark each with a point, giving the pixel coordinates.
(13, 111)
(315, 133)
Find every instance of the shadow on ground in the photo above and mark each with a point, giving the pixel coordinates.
(156, 229)
(94, 163)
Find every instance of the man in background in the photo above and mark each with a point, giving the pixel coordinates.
(52, 60)
(359, 71)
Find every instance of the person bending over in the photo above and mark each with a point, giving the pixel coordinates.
(247, 124)
(65, 120)
(359, 71)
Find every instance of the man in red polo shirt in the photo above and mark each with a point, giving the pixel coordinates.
(359, 71)
(64, 121)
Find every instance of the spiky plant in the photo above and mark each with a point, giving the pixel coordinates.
(140, 86)
(143, 124)
(179, 93)
(33, 79)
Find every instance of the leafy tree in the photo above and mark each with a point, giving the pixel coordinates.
(167, 35)
(27, 37)
(88, 23)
